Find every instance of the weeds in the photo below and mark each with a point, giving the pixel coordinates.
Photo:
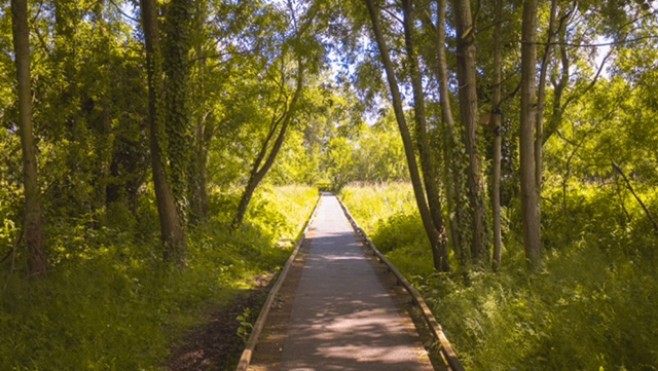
(110, 303)
(592, 307)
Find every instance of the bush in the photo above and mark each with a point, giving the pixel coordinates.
(110, 303)
(591, 307)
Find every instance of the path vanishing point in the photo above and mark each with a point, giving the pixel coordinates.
(334, 310)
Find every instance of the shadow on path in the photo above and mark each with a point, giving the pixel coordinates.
(335, 313)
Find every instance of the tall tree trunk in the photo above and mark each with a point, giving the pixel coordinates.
(433, 235)
(529, 197)
(32, 220)
(204, 130)
(171, 226)
(428, 170)
(258, 172)
(541, 97)
(177, 117)
(497, 145)
(469, 114)
(454, 183)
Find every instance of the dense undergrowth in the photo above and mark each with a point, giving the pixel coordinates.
(592, 306)
(109, 302)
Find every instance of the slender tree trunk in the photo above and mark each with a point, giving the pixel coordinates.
(199, 203)
(204, 130)
(529, 197)
(618, 169)
(468, 104)
(171, 226)
(417, 184)
(454, 184)
(258, 172)
(32, 220)
(429, 178)
(541, 97)
(497, 147)
(561, 83)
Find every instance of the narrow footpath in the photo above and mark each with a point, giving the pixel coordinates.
(334, 312)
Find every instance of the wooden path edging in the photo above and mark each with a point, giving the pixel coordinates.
(445, 349)
(248, 351)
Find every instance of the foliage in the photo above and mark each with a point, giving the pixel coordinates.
(590, 307)
(230, 70)
(110, 303)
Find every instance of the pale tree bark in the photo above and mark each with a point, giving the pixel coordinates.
(32, 219)
(433, 235)
(529, 196)
(453, 181)
(455, 184)
(271, 146)
(427, 165)
(171, 225)
(497, 145)
(468, 105)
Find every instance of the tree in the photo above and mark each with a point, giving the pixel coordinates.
(203, 118)
(32, 219)
(427, 164)
(453, 182)
(468, 104)
(437, 238)
(177, 117)
(497, 145)
(529, 196)
(171, 224)
(272, 144)
(298, 48)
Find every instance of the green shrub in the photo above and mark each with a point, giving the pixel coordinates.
(592, 306)
(109, 303)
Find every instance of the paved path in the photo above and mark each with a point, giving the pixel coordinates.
(342, 317)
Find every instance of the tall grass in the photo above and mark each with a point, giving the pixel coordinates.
(110, 304)
(592, 307)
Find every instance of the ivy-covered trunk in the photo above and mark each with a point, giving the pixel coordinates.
(32, 219)
(177, 117)
(171, 225)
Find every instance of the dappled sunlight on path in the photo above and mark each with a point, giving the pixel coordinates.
(342, 316)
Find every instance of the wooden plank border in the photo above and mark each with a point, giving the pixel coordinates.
(247, 353)
(445, 349)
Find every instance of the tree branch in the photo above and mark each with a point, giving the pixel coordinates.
(630, 188)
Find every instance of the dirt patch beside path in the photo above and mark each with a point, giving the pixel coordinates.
(215, 345)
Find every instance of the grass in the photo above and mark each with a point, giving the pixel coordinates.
(109, 303)
(592, 306)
